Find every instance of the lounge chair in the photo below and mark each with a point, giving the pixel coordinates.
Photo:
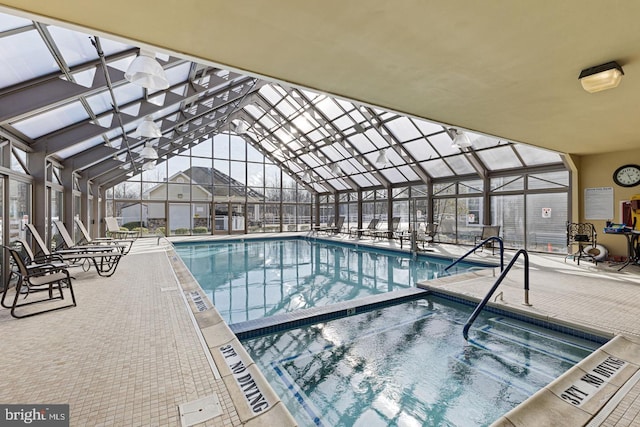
(338, 227)
(361, 231)
(115, 231)
(104, 258)
(324, 228)
(123, 245)
(395, 223)
(33, 281)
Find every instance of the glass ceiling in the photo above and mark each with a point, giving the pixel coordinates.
(55, 97)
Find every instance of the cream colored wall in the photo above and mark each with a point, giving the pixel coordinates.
(597, 171)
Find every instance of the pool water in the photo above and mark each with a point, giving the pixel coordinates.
(254, 279)
(408, 365)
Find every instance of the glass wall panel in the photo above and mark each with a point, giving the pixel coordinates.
(201, 223)
(289, 217)
(255, 218)
(444, 214)
(271, 218)
(155, 218)
(19, 209)
(55, 213)
(179, 218)
(128, 190)
(508, 213)
(421, 217)
(401, 209)
(546, 215)
(304, 217)
(129, 214)
(469, 219)
(237, 217)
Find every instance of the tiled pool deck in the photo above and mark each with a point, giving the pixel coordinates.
(132, 351)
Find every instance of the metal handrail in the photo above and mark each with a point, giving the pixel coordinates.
(476, 312)
(476, 247)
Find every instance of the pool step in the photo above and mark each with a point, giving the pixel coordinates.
(521, 354)
(536, 339)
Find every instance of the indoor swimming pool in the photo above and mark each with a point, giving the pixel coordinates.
(408, 365)
(252, 279)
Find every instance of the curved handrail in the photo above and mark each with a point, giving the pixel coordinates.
(477, 247)
(476, 312)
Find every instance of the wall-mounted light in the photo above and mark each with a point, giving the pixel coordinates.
(145, 71)
(601, 77)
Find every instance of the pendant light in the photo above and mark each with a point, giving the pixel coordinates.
(145, 71)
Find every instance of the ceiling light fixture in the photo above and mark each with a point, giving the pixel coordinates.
(601, 77)
(240, 127)
(335, 169)
(149, 129)
(148, 152)
(149, 165)
(382, 159)
(145, 71)
(307, 176)
(460, 139)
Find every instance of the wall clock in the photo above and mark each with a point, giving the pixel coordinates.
(627, 176)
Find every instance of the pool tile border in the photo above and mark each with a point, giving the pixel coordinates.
(282, 322)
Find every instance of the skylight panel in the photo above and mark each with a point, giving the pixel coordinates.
(442, 142)
(361, 143)
(178, 74)
(402, 129)
(52, 120)
(376, 138)
(537, 156)
(343, 123)
(10, 22)
(421, 150)
(437, 168)
(395, 158)
(285, 109)
(409, 173)
(270, 94)
(393, 175)
(427, 128)
(80, 147)
(499, 158)
(460, 165)
(329, 109)
(24, 56)
(76, 47)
